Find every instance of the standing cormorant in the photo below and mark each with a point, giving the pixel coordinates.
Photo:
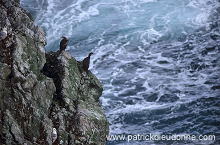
(63, 43)
(86, 62)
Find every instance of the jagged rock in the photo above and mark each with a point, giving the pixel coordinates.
(33, 103)
(4, 71)
(76, 101)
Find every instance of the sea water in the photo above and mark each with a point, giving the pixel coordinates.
(158, 60)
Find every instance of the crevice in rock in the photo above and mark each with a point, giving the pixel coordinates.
(2, 135)
(10, 63)
(13, 136)
(53, 69)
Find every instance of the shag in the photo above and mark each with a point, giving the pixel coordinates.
(3, 33)
(86, 62)
(63, 43)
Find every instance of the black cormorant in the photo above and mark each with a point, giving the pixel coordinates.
(63, 43)
(86, 62)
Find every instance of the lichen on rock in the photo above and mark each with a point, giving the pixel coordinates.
(40, 92)
(76, 100)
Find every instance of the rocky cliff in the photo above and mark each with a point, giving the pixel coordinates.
(39, 92)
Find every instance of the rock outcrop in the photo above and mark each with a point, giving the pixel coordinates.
(39, 92)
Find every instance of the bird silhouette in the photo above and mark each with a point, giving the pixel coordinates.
(86, 62)
(63, 43)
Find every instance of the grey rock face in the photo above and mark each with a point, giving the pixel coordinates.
(40, 92)
(76, 101)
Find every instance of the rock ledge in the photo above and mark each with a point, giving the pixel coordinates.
(40, 92)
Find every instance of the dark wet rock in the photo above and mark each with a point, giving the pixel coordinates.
(38, 92)
(168, 98)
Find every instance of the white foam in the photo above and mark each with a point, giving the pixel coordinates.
(149, 36)
(201, 20)
(147, 1)
(104, 101)
(139, 107)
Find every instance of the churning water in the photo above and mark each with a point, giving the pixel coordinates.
(158, 60)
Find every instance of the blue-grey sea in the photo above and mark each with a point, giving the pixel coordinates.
(158, 61)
